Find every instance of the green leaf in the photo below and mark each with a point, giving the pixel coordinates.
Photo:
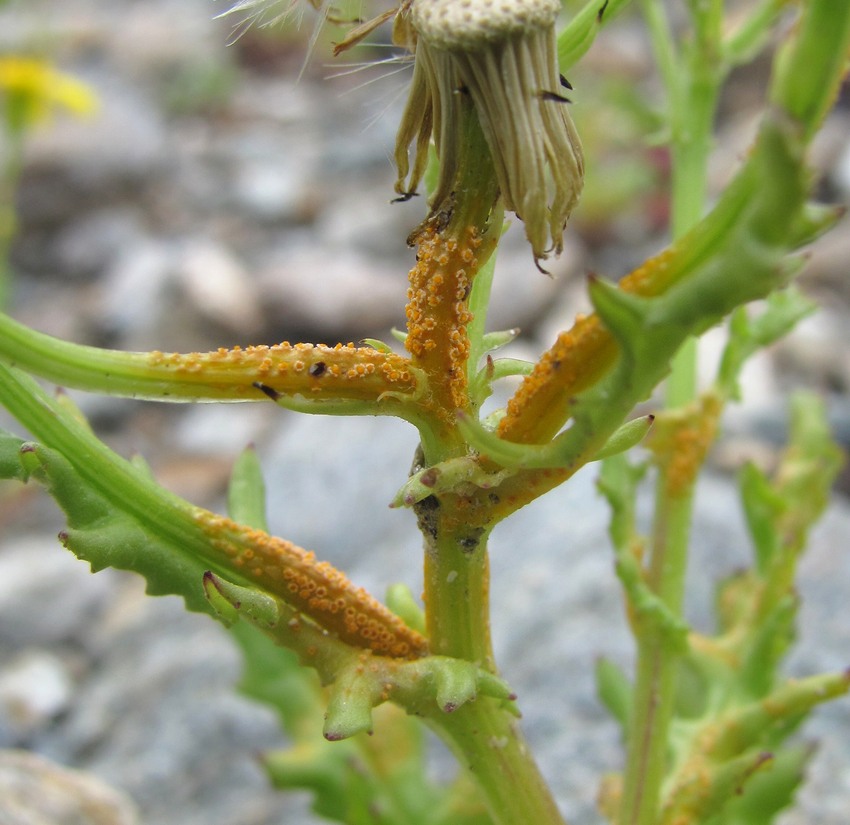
(752, 34)
(579, 34)
(10, 457)
(102, 534)
(626, 437)
(272, 675)
(809, 466)
(231, 602)
(403, 603)
(768, 644)
(648, 608)
(705, 795)
(762, 508)
(618, 482)
(769, 791)
(246, 493)
(783, 310)
(615, 692)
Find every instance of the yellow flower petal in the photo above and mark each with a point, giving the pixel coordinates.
(32, 89)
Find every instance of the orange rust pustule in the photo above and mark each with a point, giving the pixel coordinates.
(578, 358)
(315, 588)
(575, 361)
(680, 446)
(655, 275)
(437, 314)
(340, 371)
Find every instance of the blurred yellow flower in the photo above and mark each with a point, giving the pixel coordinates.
(31, 89)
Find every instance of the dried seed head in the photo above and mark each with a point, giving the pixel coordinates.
(468, 24)
(502, 53)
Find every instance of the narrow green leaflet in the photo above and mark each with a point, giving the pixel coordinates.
(100, 533)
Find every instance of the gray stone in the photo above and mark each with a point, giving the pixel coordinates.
(122, 144)
(135, 288)
(218, 285)
(35, 791)
(319, 292)
(89, 245)
(46, 597)
(35, 687)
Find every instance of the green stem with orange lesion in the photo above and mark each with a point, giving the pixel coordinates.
(342, 379)
(315, 588)
(249, 558)
(453, 245)
(581, 377)
(343, 372)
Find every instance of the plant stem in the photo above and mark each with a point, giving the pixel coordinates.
(456, 562)
(487, 740)
(453, 244)
(484, 734)
(457, 597)
(442, 335)
(657, 663)
(692, 81)
(9, 176)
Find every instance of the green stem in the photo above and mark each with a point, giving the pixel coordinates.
(681, 384)
(486, 738)
(749, 38)
(479, 301)
(484, 734)
(579, 34)
(657, 662)
(457, 596)
(694, 107)
(9, 177)
(456, 565)
(693, 82)
(115, 478)
(812, 63)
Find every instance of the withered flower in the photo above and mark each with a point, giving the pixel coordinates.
(502, 53)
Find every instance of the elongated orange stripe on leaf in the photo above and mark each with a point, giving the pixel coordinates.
(315, 370)
(577, 359)
(437, 314)
(316, 588)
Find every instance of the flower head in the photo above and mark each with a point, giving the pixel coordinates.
(31, 89)
(502, 54)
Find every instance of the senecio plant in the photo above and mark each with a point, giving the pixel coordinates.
(705, 718)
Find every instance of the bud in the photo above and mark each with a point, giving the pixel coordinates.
(502, 54)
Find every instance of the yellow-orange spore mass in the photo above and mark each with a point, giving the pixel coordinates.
(437, 314)
(681, 445)
(317, 589)
(576, 359)
(654, 276)
(342, 371)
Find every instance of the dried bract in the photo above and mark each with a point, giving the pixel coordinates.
(502, 54)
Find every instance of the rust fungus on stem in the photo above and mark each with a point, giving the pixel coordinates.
(681, 442)
(438, 314)
(315, 588)
(579, 358)
(343, 371)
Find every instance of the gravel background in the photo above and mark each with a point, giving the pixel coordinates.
(214, 200)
